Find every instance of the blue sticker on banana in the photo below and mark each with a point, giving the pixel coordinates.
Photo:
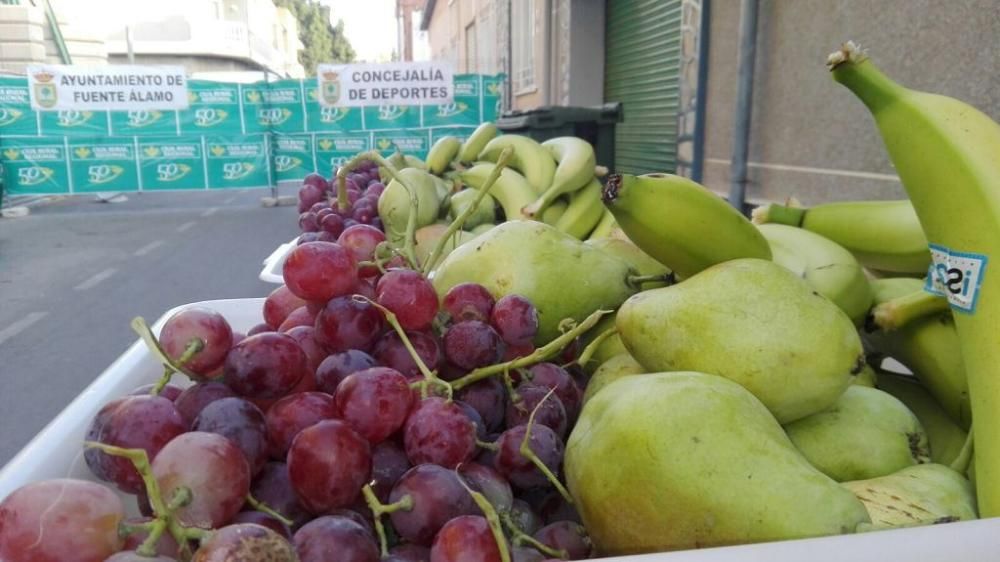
(956, 276)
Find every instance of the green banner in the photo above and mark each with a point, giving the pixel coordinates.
(333, 150)
(171, 164)
(232, 135)
(214, 109)
(36, 165)
(292, 156)
(96, 165)
(237, 164)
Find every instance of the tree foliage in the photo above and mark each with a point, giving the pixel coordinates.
(323, 41)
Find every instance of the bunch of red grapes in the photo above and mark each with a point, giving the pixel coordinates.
(313, 405)
(322, 219)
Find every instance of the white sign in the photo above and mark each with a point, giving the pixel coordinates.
(398, 83)
(107, 88)
(957, 276)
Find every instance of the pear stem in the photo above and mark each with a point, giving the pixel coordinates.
(540, 354)
(900, 311)
(459, 221)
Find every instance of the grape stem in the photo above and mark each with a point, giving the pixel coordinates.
(411, 222)
(429, 377)
(537, 356)
(492, 519)
(591, 348)
(520, 538)
(379, 509)
(529, 454)
(487, 445)
(459, 221)
(193, 348)
(140, 327)
(264, 508)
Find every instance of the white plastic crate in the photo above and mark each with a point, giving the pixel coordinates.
(271, 273)
(56, 452)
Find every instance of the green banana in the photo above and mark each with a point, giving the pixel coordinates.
(882, 235)
(946, 154)
(945, 436)
(530, 158)
(897, 312)
(394, 204)
(473, 145)
(584, 211)
(928, 346)
(575, 170)
(922, 494)
(511, 190)
(555, 211)
(442, 153)
(604, 226)
(824, 264)
(681, 223)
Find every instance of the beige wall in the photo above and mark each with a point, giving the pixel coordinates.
(811, 138)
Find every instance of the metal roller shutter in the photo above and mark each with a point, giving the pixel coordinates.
(642, 70)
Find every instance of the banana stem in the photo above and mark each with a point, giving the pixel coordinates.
(540, 354)
(459, 221)
(961, 462)
(778, 214)
(900, 311)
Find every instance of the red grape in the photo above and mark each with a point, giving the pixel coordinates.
(305, 336)
(246, 542)
(568, 536)
(60, 520)
(345, 323)
(332, 537)
(169, 391)
(134, 422)
(320, 271)
(517, 468)
(258, 329)
(410, 296)
(439, 432)
(332, 223)
(309, 195)
(308, 222)
(552, 376)
(362, 239)
(512, 352)
(525, 554)
(213, 468)
(389, 463)
(133, 556)
(265, 366)
(241, 422)
(328, 463)
(335, 368)
(293, 413)
(490, 483)
(197, 323)
(551, 412)
(488, 397)
(390, 352)
(438, 496)
(264, 520)
(316, 180)
(408, 553)
(279, 304)
(468, 301)
(166, 545)
(375, 189)
(524, 517)
(274, 488)
(375, 402)
(516, 319)
(324, 236)
(475, 418)
(465, 538)
(554, 507)
(472, 344)
(301, 316)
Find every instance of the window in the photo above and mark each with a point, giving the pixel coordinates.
(471, 61)
(487, 35)
(522, 30)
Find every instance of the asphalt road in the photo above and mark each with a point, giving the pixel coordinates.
(75, 272)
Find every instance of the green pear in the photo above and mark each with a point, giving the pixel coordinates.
(671, 461)
(608, 348)
(640, 261)
(754, 322)
(621, 365)
(485, 227)
(946, 438)
(867, 433)
(484, 213)
(427, 238)
(922, 494)
(561, 276)
(394, 204)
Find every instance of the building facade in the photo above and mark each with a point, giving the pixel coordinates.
(809, 137)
